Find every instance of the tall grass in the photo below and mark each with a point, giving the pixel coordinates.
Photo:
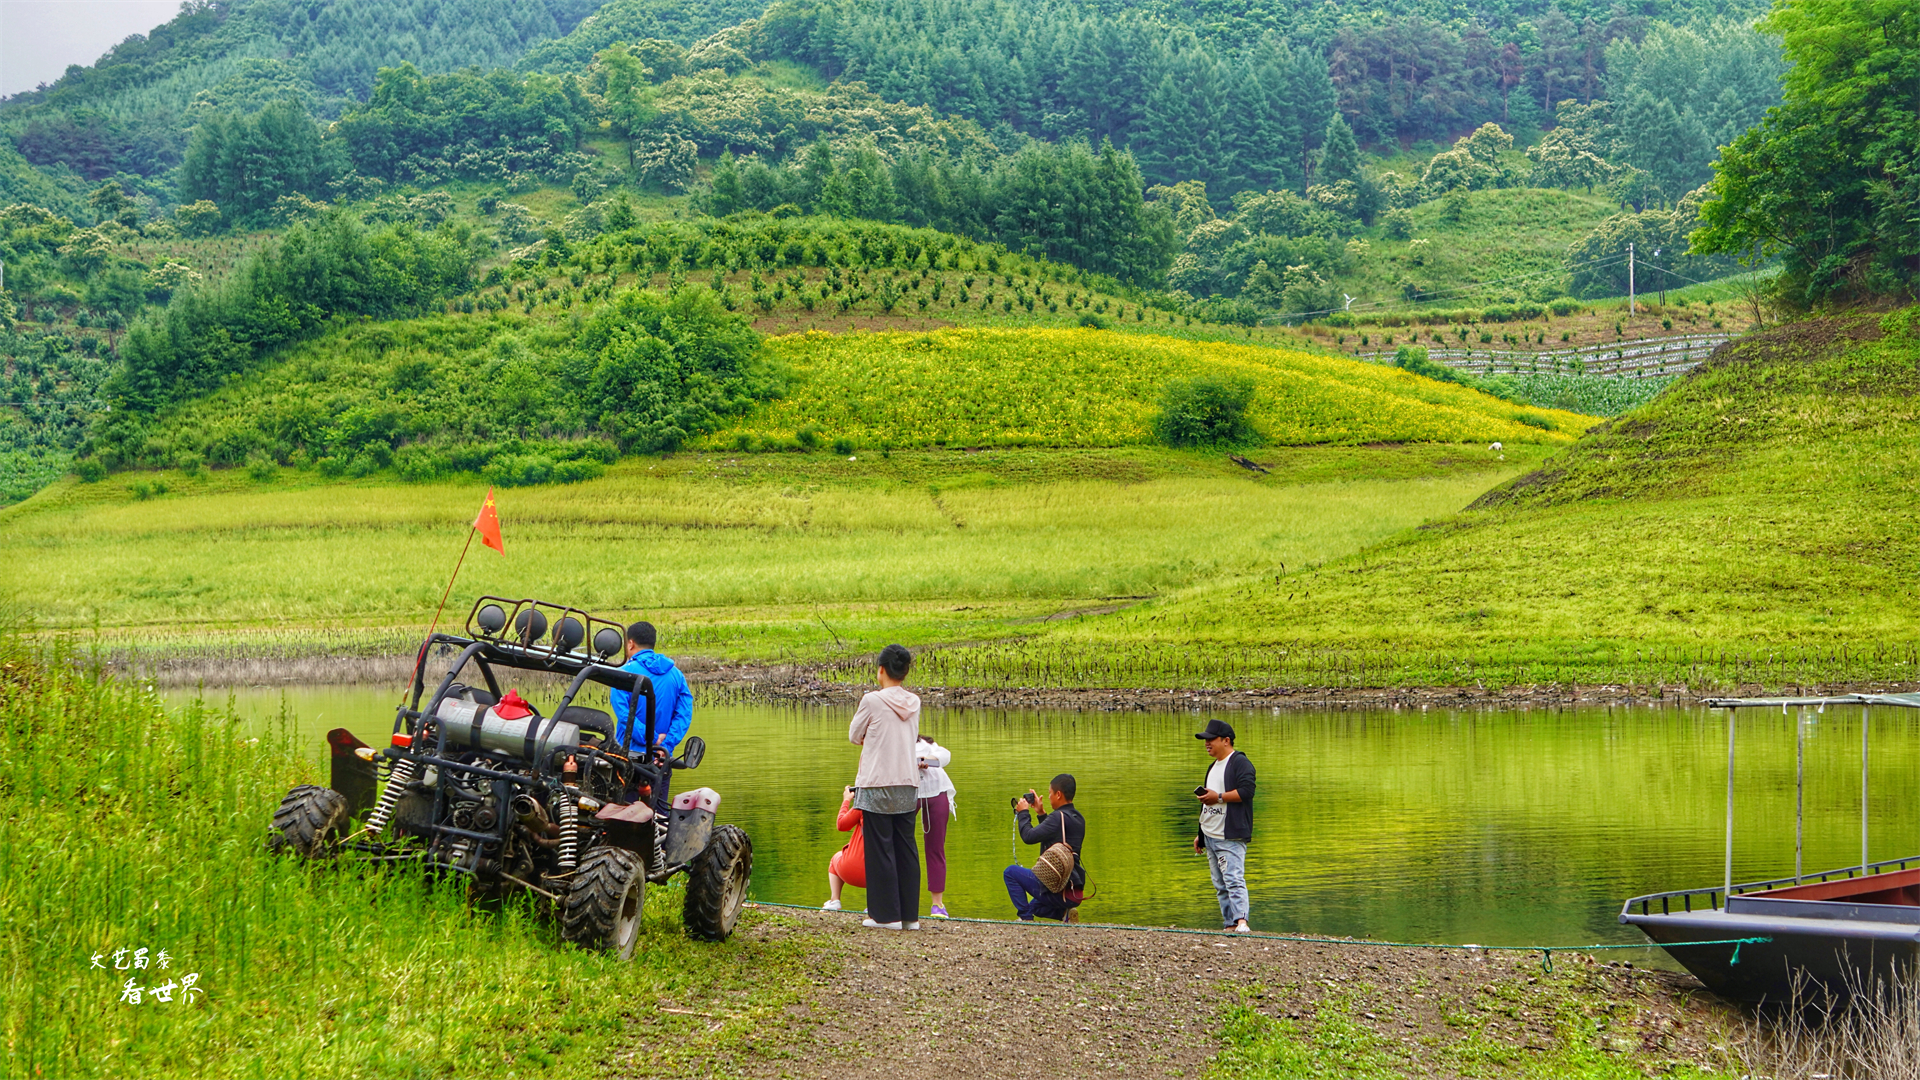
(1057, 661)
(1873, 1033)
(125, 827)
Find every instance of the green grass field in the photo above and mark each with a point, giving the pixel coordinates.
(128, 829)
(1755, 524)
(746, 555)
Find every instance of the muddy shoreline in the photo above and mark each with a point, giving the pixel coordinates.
(800, 685)
(1001, 999)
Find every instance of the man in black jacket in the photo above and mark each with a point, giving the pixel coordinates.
(1030, 898)
(1226, 822)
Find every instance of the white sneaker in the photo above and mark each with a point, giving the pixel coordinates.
(871, 925)
(1241, 927)
(915, 925)
(831, 905)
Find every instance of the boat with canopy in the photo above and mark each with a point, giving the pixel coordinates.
(1838, 931)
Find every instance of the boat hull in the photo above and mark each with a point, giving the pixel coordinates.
(1837, 956)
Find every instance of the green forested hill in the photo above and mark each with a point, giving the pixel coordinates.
(252, 175)
(133, 110)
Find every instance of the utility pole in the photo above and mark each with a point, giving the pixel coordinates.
(1630, 308)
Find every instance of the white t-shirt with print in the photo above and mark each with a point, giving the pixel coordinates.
(1213, 819)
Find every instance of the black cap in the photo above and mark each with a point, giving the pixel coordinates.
(1216, 729)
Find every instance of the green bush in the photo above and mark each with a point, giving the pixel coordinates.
(90, 470)
(1095, 322)
(1565, 305)
(1207, 410)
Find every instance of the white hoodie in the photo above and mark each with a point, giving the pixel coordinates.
(934, 780)
(886, 727)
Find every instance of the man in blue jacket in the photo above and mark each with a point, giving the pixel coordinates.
(672, 708)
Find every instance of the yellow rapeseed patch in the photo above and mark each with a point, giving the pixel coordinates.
(1090, 388)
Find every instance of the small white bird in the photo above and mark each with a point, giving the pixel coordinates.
(1496, 446)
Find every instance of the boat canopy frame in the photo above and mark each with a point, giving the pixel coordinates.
(1819, 703)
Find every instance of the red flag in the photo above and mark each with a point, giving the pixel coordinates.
(489, 525)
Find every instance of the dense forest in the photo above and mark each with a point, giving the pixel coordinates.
(256, 173)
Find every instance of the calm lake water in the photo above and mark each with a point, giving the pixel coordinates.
(1447, 826)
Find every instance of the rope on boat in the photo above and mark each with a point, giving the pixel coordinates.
(1546, 951)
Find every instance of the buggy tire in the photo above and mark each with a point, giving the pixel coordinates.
(717, 884)
(605, 901)
(310, 822)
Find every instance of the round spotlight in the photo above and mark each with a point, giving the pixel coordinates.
(607, 641)
(491, 619)
(530, 626)
(570, 634)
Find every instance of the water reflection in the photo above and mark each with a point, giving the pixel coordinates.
(1491, 827)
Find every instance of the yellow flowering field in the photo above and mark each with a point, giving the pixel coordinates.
(1086, 388)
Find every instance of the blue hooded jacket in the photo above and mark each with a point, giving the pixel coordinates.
(673, 704)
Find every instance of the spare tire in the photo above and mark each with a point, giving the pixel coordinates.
(311, 821)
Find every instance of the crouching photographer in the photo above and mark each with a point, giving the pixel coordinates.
(1055, 885)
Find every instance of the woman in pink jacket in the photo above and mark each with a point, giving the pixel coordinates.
(885, 727)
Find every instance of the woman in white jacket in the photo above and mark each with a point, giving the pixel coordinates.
(886, 728)
(936, 809)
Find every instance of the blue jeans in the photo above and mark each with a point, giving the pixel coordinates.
(1227, 862)
(1031, 900)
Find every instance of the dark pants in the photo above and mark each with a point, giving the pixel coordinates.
(663, 794)
(893, 867)
(934, 815)
(1031, 900)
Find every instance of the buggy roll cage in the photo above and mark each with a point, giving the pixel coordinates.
(507, 633)
(489, 641)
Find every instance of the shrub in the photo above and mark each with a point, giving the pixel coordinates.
(1397, 223)
(1207, 410)
(843, 447)
(90, 470)
(1534, 420)
(1565, 305)
(808, 437)
(1095, 322)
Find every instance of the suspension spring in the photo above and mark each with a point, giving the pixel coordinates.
(569, 833)
(397, 782)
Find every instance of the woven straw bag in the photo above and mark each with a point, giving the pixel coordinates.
(1055, 866)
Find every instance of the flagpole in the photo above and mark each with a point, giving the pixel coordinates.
(420, 661)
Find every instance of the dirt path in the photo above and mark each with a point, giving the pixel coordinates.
(980, 1001)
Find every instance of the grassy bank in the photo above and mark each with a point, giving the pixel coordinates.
(752, 556)
(124, 827)
(1753, 525)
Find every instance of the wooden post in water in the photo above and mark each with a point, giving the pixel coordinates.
(1727, 894)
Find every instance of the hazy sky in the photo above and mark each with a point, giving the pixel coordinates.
(39, 38)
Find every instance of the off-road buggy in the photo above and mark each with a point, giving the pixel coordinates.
(479, 782)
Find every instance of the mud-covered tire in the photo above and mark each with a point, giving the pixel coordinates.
(717, 884)
(605, 901)
(310, 822)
